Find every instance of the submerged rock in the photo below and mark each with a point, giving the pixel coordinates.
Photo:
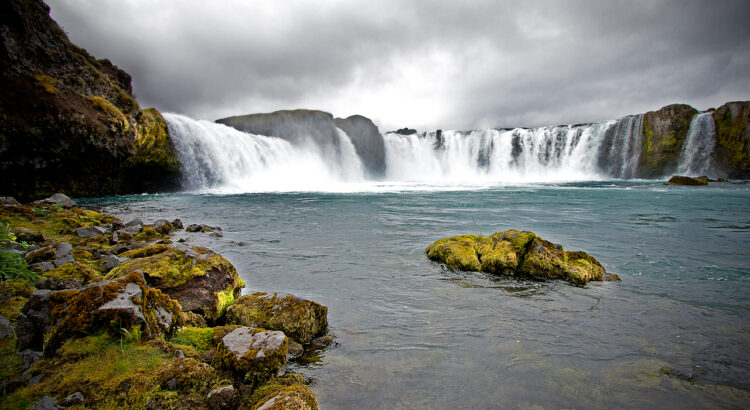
(201, 280)
(515, 253)
(683, 180)
(300, 319)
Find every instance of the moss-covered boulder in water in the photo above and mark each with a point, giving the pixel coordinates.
(732, 152)
(200, 279)
(286, 392)
(517, 253)
(300, 319)
(458, 252)
(663, 134)
(253, 355)
(51, 317)
(689, 181)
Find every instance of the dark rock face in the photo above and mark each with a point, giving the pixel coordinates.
(60, 105)
(367, 141)
(300, 126)
(732, 152)
(664, 132)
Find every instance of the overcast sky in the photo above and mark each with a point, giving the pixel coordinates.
(424, 64)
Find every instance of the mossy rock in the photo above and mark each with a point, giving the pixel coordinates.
(117, 372)
(663, 135)
(199, 338)
(684, 180)
(253, 355)
(75, 270)
(300, 319)
(13, 296)
(544, 259)
(56, 222)
(286, 392)
(49, 318)
(732, 152)
(201, 280)
(457, 252)
(517, 253)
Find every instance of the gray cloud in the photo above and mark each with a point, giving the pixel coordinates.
(421, 63)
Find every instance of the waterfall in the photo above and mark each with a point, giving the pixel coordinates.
(218, 158)
(695, 157)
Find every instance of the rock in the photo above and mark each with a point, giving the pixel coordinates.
(50, 317)
(200, 228)
(73, 399)
(367, 141)
(112, 261)
(58, 199)
(193, 320)
(8, 201)
(163, 226)
(253, 354)
(29, 358)
(55, 283)
(299, 319)
(46, 403)
(201, 280)
(732, 152)
(517, 253)
(663, 134)
(294, 349)
(6, 329)
(404, 131)
(285, 392)
(177, 224)
(63, 249)
(63, 261)
(457, 252)
(90, 232)
(25, 235)
(223, 398)
(683, 180)
(722, 180)
(40, 255)
(323, 341)
(132, 227)
(185, 375)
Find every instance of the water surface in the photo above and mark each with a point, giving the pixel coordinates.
(674, 333)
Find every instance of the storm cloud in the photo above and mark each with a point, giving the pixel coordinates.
(422, 64)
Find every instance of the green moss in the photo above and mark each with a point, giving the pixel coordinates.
(9, 358)
(300, 319)
(289, 390)
(75, 270)
(148, 233)
(48, 83)
(199, 338)
(153, 146)
(12, 307)
(102, 104)
(224, 299)
(457, 252)
(146, 251)
(253, 368)
(55, 222)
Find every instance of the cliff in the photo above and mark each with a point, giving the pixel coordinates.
(663, 135)
(732, 151)
(70, 122)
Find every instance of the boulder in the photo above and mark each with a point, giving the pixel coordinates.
(683, 180)
(112, 261)
(163, 226)
(300, 319)
(517, 253)
(201, 280)
(58, 199)
(90, 232)
(40, 255)
(6, 329)
(73, 399)
(367, 141)
(200, 228)
(51, 317)
(55, 283)
(223, 398)
(8, 201)
(285, 392)
(31, 237)
(254, 355)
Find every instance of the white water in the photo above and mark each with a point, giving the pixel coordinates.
(695, 158)
(220, 159)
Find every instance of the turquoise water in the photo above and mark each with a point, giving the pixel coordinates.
(675, 333)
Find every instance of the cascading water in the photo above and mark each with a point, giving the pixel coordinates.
(219, 158)
(695, 158)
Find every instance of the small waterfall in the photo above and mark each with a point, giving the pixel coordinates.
(219, 158)
(695, 158)
(622, 147)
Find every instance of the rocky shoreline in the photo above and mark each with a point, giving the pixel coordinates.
(101, 313)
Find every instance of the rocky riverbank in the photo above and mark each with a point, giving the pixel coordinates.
(102, 313)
